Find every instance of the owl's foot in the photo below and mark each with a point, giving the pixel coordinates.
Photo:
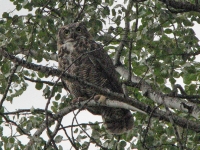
(79, 99)
(100, 98)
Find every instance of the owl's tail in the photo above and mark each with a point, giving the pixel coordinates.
(116, 120)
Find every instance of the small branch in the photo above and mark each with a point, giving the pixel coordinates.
(174, 127)
(125, 36)
(81, 124)
(37, 111)
(14, 123)
(73, 144)
(80, 13)
(34, 53)
(53, 134)
(191, 98)
(45, 82)
(8, 85)
(91, 138)
(148, 126)
(46, 114)
(129, 60)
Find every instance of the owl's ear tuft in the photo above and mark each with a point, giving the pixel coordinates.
(82, 23)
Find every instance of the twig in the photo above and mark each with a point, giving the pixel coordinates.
(14, 123)
(73, 144)
(53, 134)
(40, 81)
(124, 38)
(80, 13)
(8, 85)
(81, 124)
(87, 133)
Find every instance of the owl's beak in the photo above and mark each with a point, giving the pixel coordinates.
(73, 35)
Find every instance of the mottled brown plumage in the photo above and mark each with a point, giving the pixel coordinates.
(81, 56)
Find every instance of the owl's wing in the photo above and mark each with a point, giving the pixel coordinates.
(105, 65)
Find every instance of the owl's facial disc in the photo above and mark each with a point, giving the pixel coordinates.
(73, 34)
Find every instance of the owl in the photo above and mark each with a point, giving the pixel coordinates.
(79, 55)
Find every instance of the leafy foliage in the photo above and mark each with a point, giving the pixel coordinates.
(155, 38)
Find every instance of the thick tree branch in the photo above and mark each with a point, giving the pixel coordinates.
(128, 101)
(145, 87)
(158, 97)
(186, 6)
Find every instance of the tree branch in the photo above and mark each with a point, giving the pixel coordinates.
(34, 53)
(158, 97)
(129, 103)
(183, 122)
(145, 87)
(186, 6)
(8, 85)
(45, 82)
(125, 36)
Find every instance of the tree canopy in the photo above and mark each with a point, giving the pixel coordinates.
(155, 49)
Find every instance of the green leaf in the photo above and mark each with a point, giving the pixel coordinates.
(172, 80)
(113, 12)
(39, 85)
(168, 31)
(11, 140)
(55, 104)
(5, 68)
(76, 130)
(58, 96)
(19, 7)
(58, 139)
(121, 145)
(106, 11)
(5, 15)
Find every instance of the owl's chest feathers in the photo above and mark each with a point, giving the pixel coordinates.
(68, 47)
(75, 55)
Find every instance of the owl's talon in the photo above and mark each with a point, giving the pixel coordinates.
(97, 97)
(100, 99)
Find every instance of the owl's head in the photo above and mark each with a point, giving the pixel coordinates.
(73, 32)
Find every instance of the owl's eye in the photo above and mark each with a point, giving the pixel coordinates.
(78, 29)
(66, 31)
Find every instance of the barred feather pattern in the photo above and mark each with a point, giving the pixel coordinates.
(81, 56)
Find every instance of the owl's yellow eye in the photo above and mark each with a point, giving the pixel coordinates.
(78, 29)
(66, 31)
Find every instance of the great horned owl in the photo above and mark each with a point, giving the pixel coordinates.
(81, 56)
